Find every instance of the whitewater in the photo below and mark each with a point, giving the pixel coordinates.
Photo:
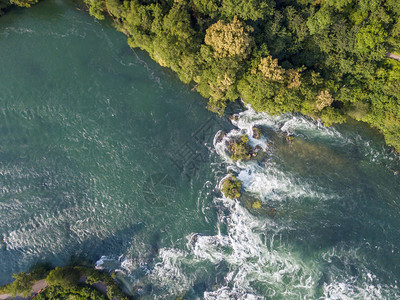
(254, 248)
(107, 159)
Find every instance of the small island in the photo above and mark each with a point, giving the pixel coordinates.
(231, 187)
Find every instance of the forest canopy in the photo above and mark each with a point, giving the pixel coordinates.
(326, 58)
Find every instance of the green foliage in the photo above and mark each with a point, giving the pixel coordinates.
(24, 3)
(96, 8)
(370, 39)
(112, 292)
(67, 277)
(321, 20)
(113, 7)
(231, 187)
(240, 149)
(326, 59)
(246, 10)
(22, 285)
(330, 115)
(206, 7)
(229, 39)
(64, 283)
(256, 132)
(95, 276)
(77, 292)
(256, 204)
(23, 282)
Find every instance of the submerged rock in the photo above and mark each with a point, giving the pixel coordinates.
(256, 132)
(234, 117)
(240, 149)
(256, 151)
(220, 136)
(289, 139)
(255, 206)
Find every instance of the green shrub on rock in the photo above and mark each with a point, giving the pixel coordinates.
(231, 187)
(256, 132)
(240, 149)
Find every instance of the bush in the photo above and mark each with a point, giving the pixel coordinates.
(240, 149)
(77, 292)
(22, 285)
(63, 283)
(231, 187)
(67, 277)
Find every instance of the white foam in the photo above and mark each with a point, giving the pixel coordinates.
(168, 273)
(286, 123)
(253, 260)
(364, 285)
(118, 264)
(250, 246)
(265, 180)
(258, 264)
(351, 288)
(226, 293)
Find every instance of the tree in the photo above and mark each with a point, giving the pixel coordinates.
(246, 10)
(228, 40)
(22, 285)
(96, 8)
(293, 78)
(231, 187)
(207, 7)
(370, 40)
(321, 20)
(270, 69)
(240, 149)
(324, 99)
(177, 22)
(24, 3)
(66, 277)
(295, 56)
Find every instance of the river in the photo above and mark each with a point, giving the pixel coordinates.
(106, 158)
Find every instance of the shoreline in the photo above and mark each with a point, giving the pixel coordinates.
(60, 277)
(292, 89)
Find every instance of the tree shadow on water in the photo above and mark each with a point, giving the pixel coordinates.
(115, 244)
(86, 253)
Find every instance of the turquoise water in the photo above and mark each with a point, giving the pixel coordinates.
(106, 157)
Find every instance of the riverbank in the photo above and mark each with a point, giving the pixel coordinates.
(107, 157)
(62, 281)
(287, 70)
(37, 286)
(280, 58)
